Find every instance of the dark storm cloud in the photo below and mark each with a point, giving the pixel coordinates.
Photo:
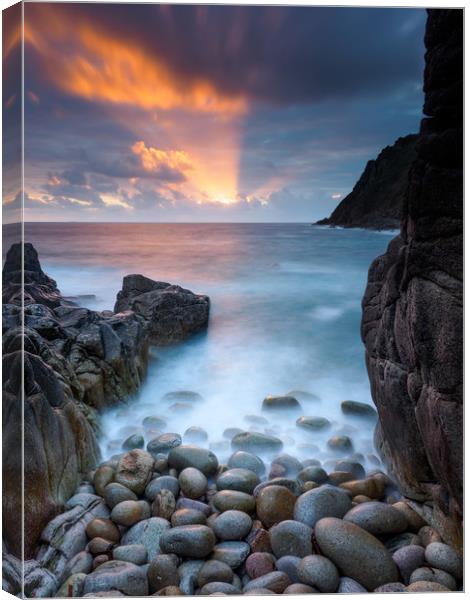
(325, 90)
(272, 54)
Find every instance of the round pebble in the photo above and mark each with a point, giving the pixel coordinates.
(164, 504)
(325, 501)
(190, 541)
(274, 504)
(408, 559)
(355, 552)
(258, 564)
(319, 572)
(426, 586)
(290, 566)
(442, 556)
(164, 443)
(188, 516)
(436, 575)
(377, 518)
(241, 480)
(103, 528)
(214, 570)
(291, 538)
(233, 500)
(114, 493)
(163, 572)
(192, 482)
(232, 525)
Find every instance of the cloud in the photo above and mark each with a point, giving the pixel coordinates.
(83, 59)
(164, 164)
(220, 112)
(219, 58)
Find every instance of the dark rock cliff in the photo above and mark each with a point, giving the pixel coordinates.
(378, 198)
(412, 308)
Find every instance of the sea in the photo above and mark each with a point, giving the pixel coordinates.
(285, 315)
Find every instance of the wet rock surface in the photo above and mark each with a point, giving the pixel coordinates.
(171, 312)
(76, 363)
(412, 308)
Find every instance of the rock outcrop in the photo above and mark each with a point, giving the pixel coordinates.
(412, 308)
(378, 198)
(76, 363)
(171, 312)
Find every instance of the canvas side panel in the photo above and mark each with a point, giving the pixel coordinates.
(12, 300)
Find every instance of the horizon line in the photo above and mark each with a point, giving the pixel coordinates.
(159, 223)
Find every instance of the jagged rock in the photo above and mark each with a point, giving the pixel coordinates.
(65, 536)
(412, 308)
(76, 363)
(172, 313)
(378, 198)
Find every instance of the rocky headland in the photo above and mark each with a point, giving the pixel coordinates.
(377, 200)
(77, 362)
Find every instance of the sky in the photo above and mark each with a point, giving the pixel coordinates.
(207, 113)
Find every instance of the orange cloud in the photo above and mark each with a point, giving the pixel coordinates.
(154, 159)
(99, 67)
(206, 130)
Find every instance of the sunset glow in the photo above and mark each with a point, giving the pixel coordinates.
(161, 112)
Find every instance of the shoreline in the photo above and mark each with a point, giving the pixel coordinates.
(176, 522)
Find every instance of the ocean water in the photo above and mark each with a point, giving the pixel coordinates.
(285, 315)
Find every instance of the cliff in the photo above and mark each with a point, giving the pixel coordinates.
(412, 308)
(377, 199)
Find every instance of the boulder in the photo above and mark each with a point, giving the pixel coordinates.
(357, 554)
(171, 312)
(135, 470)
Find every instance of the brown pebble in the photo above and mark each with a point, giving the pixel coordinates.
(300, 588)
(427, 535)
(277, 470)
(274, 504)
(372, 487)
(103, 528)
(337, 477)
(103, 475)
(309, 485)
(163, 572)
(170, 590)
(99, 545)
(164, 505)
(259, 563)
(259, 540)
(426, 586)
(99, 560)
(361, 498)
(415, 521)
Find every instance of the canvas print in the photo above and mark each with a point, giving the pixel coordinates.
(232, 299)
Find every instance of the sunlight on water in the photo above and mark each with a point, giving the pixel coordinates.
(285, 315)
